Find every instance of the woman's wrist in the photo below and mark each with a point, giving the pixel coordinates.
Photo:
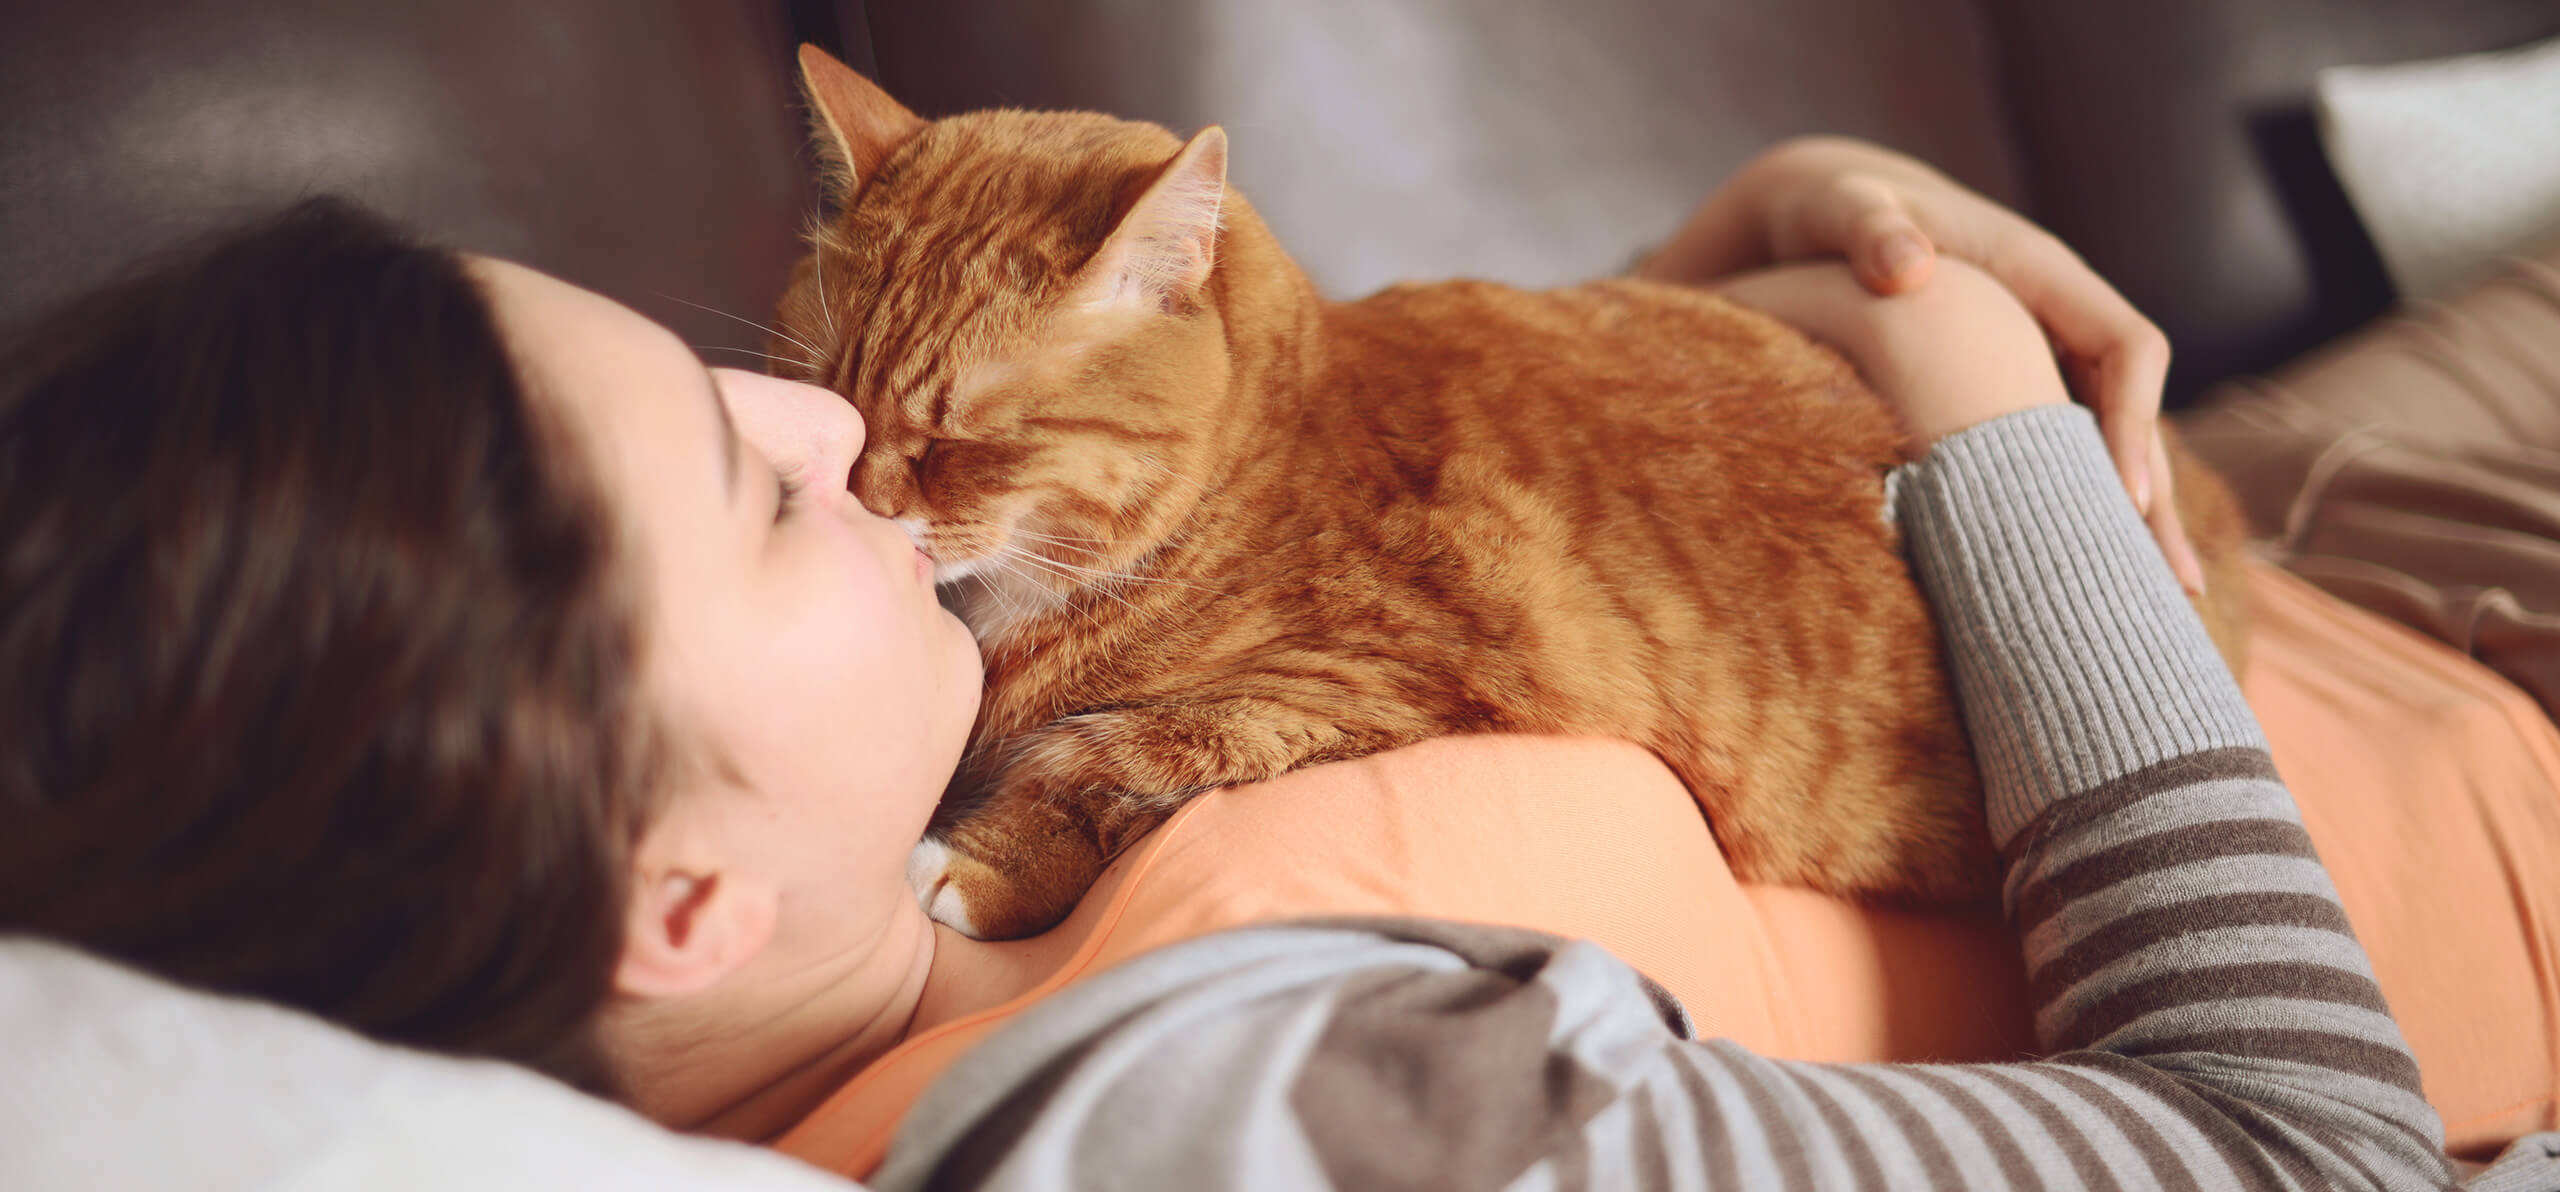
(2076, 657)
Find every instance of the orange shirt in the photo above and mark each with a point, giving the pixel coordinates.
(2430, 785)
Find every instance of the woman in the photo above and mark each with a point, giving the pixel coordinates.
(436, 646)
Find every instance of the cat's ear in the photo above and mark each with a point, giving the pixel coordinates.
(858, 124)
(1165, 246)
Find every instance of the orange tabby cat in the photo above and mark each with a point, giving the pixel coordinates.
(1209, 527)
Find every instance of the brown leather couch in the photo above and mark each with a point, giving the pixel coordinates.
(650, 148)
(646, 148)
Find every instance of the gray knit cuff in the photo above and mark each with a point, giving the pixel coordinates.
(2077, 658)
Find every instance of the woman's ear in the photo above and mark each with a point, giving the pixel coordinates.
(694, 918)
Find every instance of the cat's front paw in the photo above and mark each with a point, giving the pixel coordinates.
(929, 875)
(976, 899)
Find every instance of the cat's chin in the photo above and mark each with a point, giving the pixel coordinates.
(995, 601)
(953, 572)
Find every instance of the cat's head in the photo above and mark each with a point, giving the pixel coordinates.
(1023, 306)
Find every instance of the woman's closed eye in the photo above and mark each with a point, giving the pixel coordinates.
(787, 490)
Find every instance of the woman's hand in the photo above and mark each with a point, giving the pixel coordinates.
(1891, 217)
(1960, 352)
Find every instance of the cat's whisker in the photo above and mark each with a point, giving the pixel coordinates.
(776, 332)
(1086, 551)
(1013, 557)
(1083, 577)
(1048, 537)
(1077, 545)
(1067, 568)
(1200, 488)
(1009, 611)
(1014, 601)
(749, 351)
(1089, 569)
(826, 308)
(1018, 604)
(1043, 563)
(1192, 480)
(1103, 573)
(1008, 603)
(818, 268)
(1100, 573)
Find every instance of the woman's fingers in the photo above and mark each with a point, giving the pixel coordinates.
(2119, 359)
(1895, 258)
(2167, 527)
(2128, 423)
(1863, 219)
(1891, 228)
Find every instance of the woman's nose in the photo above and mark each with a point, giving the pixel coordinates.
(839, 432)
(803, 429)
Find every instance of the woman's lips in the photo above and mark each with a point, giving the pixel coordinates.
(924, 565)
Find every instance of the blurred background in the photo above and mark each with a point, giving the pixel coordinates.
(653, 149)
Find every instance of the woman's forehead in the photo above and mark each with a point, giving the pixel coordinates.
(641, 397)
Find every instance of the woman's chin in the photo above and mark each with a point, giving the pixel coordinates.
(968, 671)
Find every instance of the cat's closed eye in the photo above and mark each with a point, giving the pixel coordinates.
(933, 455)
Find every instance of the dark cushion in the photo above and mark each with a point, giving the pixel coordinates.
(2172, 142)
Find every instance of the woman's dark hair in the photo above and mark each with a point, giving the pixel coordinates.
(316, 659)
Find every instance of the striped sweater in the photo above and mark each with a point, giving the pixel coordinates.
(2208, 1018)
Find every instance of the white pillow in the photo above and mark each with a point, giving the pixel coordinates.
(110, 1080)
(2449, 162)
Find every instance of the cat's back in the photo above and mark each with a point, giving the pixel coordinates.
(1658, 358)
(1603, 374)
(1621, 329)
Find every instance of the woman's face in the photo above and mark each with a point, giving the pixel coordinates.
(792, 638)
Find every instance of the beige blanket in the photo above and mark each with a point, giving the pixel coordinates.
(2414, 468)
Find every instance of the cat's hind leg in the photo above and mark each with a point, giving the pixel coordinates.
(1891, 812)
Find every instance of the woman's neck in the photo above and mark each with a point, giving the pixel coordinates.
(750, 1060)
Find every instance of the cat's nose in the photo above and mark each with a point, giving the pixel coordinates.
(878, 485)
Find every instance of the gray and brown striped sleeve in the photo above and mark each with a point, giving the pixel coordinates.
(2210, 1020)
